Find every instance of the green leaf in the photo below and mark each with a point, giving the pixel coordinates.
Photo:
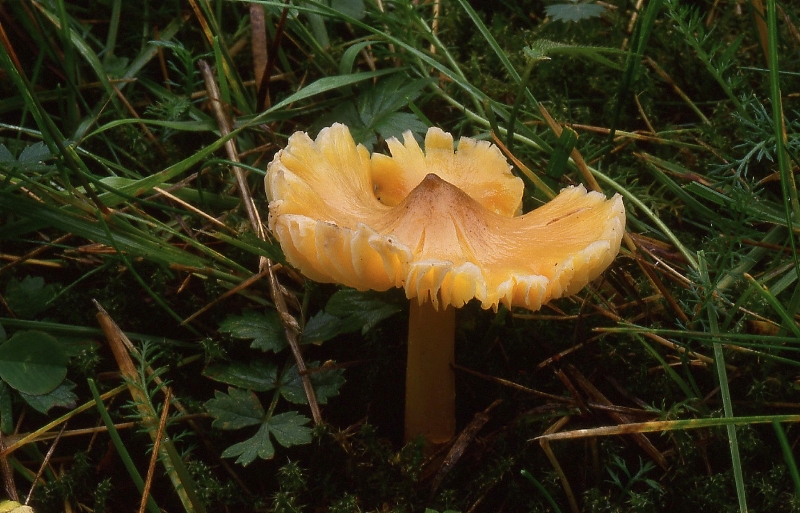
(256, 446)
(6, 409)
(32, 362)
(265, 330)
(6, 157)
(349, 57)
(375, 111)
(542, 49)
(31, 159)
(28, 297)
(62, 396)
(574, 11)
(34, 153)
(326, 384)
(257, 376)
(360, 310)
(289, 429)
(326, 84)
(321, 327)
(378, 107)
(236, 409)
(563, 148)
(250, 243)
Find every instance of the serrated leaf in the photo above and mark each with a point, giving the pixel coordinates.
(574, 11)
(378, 108)
(359, 310)
(28, 297)
(289, 428)
(237, 409)
(258, 445)
(257, 376)
(265, 330)
(34, 153)
(397, 123)
(62, 396)
(32, 362)
(321, 327)
(326, 384)
(376, 111)
(541, 49)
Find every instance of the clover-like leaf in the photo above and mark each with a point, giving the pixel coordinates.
(28, 297)
(62, 396)
(237, 409)
(32, 362)
(265, 329)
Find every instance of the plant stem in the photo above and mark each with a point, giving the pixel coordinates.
(430, 382)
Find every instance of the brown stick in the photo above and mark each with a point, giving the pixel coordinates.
(290, 326)
(162, 424)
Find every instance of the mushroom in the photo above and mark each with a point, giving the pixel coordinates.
(442, 224)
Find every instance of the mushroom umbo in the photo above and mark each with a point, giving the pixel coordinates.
(442, 224)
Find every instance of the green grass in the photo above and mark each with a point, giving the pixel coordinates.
(670, 384)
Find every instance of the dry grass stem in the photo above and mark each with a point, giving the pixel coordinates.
(45, 462)
(545, 445)
(162, 424)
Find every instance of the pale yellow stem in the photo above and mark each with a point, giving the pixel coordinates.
(430, 383)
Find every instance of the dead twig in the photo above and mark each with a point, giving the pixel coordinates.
(290, 325)
(45, 462)
(545, 445)
(621, 418)
(462, 442)
(8, 474)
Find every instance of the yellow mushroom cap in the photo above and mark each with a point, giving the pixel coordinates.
(477, 168)
(438, 242)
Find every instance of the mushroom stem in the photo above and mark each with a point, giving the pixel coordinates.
(430, 382)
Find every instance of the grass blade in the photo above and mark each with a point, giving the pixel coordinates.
(719, 362)
(119, 445)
